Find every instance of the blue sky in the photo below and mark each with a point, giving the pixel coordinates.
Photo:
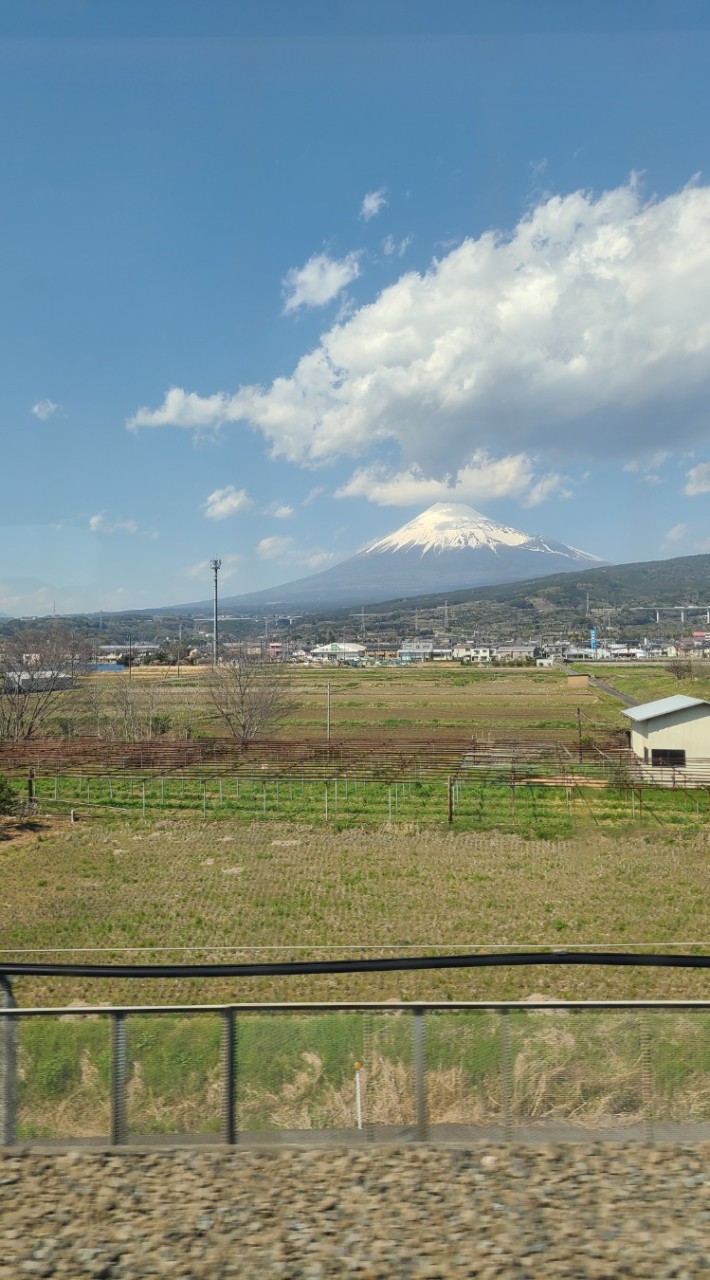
(277, 276)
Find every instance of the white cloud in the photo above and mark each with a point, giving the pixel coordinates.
(648, 467)
(546, 487)
(698, 480)
(285, 549)
(226, 502)
(321, 280)
(100, 524)
(482, 478)
(274, 548)
(584, 331)
(676, 534)
(184, 409)
(396, 248)
(279, 510)
(312, 494)
(372, 203)
(44, 409)
(202, 569)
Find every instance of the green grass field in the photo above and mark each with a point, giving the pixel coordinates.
(210, 869)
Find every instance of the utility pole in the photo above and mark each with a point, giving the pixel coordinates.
(179, 648)
(215, 566)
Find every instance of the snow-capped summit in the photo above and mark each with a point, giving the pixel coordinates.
(452, 526)
(447, 548)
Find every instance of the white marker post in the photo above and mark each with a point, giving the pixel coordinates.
(358, 1095)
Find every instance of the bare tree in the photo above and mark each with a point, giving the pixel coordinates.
(681, 668)
(251, 696)
(37, 666)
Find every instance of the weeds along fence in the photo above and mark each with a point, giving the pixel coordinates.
(523, 802)
(535, 1070)
(351, 1073)
(473, 783)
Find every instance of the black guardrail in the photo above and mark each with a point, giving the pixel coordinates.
(282, 968)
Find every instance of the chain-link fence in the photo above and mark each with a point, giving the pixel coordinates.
(525, 1072)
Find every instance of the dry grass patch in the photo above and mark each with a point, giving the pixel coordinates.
(124, 886)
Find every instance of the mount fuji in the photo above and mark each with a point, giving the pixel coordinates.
(447, 548)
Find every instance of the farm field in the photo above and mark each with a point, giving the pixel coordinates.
(405, 701)
(186, 890)
(180, 883)
(219, 865)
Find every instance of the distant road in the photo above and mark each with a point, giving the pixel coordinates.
(615, 693)
(606, 688)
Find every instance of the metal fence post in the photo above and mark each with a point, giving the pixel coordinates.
(420, 1100)
(368, 1058)
(506, 1064)
(646, 1079)
(8, 1067)
(229, 1077)
(119, 1073)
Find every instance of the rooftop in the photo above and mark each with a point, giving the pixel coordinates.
(664, 707)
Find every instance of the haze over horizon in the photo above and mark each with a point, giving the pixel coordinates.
(277, 278)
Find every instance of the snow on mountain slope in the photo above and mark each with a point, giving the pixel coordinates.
(451, 526)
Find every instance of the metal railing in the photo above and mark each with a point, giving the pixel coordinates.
(526, 1071)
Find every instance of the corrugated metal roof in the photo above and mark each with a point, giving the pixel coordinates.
(664, 707)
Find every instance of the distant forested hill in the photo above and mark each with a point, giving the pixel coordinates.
(684, 580)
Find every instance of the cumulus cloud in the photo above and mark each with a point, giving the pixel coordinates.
(202, 568)
(698, 480)
(279, 510)
(321, 280)
(226, 502)
(372, 203)
(482, 478)
(584, 329)
(286, 550)
(184, 409)
(100, 524)
(44, 409)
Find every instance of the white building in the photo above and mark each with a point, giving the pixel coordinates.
(672, 737)
(416, 651)
(337, 652)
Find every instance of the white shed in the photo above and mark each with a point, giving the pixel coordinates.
(672, 734)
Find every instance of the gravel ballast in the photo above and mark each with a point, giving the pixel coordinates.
(490, 1212)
